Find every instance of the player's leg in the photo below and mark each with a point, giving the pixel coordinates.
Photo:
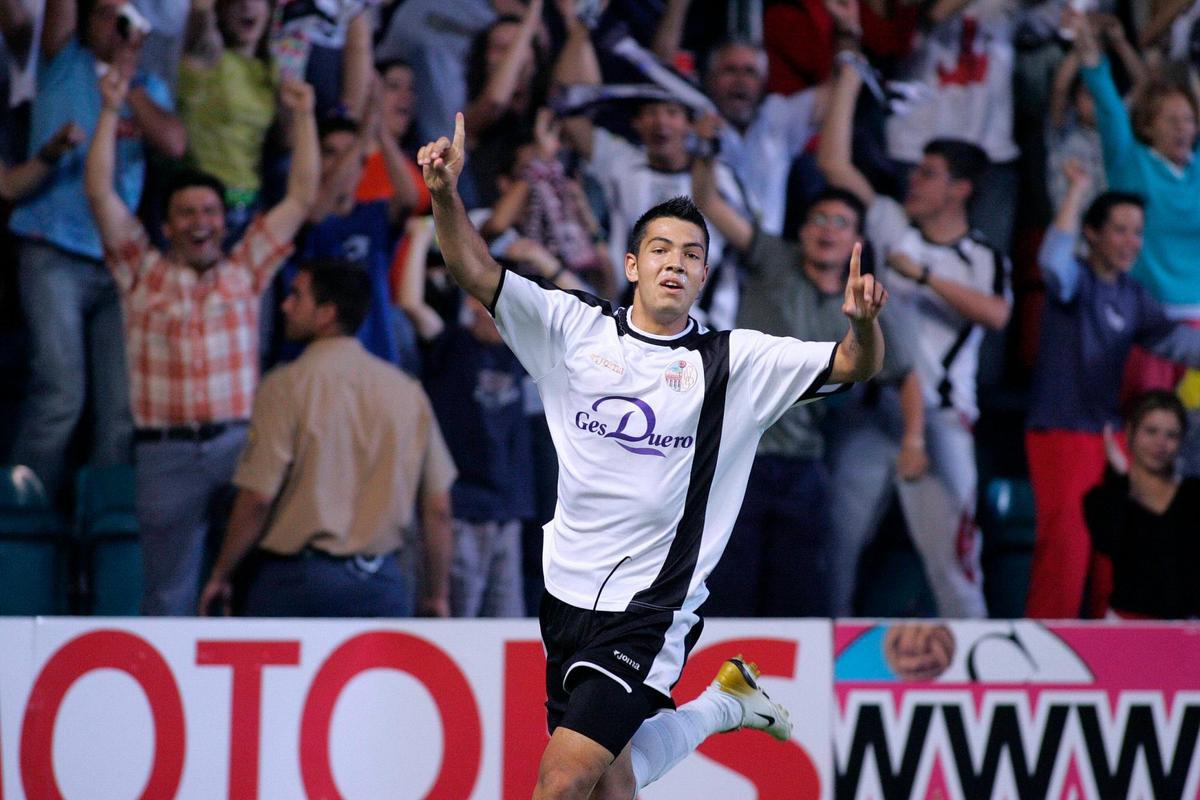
(601, 717)
(571, 766)
(617, 782)
(733, 700)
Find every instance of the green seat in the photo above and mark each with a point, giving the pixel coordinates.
(891, 578)
(1009, 526)
(33, 547)
(108, 534)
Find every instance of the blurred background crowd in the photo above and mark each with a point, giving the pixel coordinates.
(213, 214)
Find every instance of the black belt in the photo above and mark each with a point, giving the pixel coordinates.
(200, 432)
(368, 563)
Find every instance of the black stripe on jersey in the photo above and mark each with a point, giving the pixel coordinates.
(818, 388)
(491, 307)
(997, 261)
(670, 587)
(585, 298)
(945, 388)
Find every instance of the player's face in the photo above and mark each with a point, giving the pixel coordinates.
(828, 233)
(195, 226)
(1154, 443)
(662, 127)
(1173, 128)
(1118, 243)
(669, 269)
(735, 82)
(932, 189)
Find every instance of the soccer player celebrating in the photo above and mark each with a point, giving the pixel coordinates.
(655, 421)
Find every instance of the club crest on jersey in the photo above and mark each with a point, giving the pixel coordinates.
(680, 376)
(634, 429)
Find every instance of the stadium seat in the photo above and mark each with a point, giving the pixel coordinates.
(33, 547)
(891, 578)
(1009, 533)
(108, 535)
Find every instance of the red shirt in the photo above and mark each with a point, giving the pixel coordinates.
(798, 38)
(191, 338)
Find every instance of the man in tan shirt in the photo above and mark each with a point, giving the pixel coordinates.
(341, 445)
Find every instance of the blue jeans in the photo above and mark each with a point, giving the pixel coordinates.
(312, 584)
(777, 562)
(77, 344)
(182, 501)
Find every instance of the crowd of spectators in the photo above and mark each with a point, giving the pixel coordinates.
(218, 266)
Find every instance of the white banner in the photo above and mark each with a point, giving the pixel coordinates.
(99, 709)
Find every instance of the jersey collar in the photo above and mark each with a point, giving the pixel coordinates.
(625, 325)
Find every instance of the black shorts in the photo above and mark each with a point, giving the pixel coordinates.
(602, 679)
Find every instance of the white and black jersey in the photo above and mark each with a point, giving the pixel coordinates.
(946, 344)
(655, 439)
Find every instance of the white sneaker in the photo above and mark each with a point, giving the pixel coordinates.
(759, 711)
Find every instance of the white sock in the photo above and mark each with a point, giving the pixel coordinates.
(666, 738)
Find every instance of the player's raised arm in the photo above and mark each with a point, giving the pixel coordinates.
(464, 250)
(860, 354)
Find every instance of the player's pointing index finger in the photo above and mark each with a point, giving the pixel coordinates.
(460, 133)
(855, 258)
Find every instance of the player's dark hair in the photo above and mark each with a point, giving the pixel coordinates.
(833, 194)
(965, 161)
(1157, 400)
(1097, 214)
(680, 207)
(343, 283)
(192, 178)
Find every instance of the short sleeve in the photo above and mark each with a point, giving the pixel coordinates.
(128, 260)
(886, 224)
(270, 445)
(438, 472)
(775, 373)
(260, 253)
(539, 322)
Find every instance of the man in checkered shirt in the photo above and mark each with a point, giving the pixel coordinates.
(191, 339)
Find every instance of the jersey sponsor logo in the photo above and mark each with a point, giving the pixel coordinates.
(617, 654)
(603, 361)
(635, 427)
(680, 376)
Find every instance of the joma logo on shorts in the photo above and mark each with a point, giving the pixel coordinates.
(622, 657)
